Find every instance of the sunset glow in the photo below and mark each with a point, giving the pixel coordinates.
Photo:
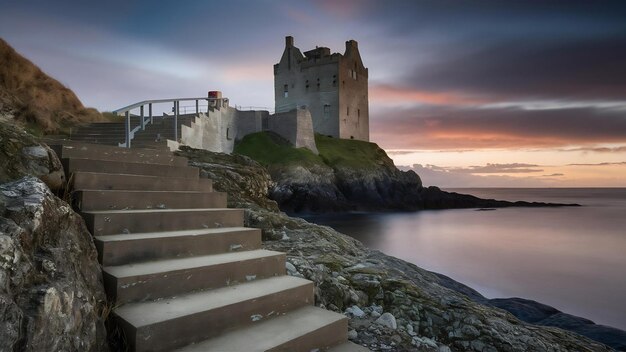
(452, 85)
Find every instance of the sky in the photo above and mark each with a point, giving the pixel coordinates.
(466, 93)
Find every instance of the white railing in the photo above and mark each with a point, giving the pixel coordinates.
(145, 120)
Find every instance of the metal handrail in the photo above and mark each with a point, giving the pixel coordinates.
(143, 121)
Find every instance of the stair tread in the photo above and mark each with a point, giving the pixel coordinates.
(166, 265)
(269, 333)
(143, 211)
(167, 234)
(151, 177)
(151, 312)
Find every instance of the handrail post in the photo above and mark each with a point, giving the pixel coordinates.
(143, 123)
(197, 111)
(128, 129)
(150, 112)
(176, 106)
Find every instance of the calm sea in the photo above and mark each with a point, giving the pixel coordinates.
(572, 258)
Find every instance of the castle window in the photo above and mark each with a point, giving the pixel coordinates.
(286, 90)
(318, 84)
(307, 85)
(334, 80)
(326, 111)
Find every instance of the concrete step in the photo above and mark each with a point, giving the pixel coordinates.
(87, 200)
(104, 181)
(118, 167)
(107, 153)
(133, 248)
(94, 140)
(114, 222)
(348, 347)
(171, 277)
(176, 322)
(302, 330)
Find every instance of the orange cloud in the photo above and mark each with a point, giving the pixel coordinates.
(247, 72)
(385, 94)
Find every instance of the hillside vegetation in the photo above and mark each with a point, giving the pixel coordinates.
(269, 149)
(36, 100)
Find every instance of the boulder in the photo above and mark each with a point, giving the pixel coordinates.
(51, 292)
(21, 155)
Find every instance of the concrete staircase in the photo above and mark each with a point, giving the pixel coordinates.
(180, 268)
(112, 133)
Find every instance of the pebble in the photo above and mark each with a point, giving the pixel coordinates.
(355, 311)
(352, 334)
(290, 268)
(388, 320)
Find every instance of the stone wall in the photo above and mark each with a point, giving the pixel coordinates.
(214, 131)
(218, 129)
(296, 126)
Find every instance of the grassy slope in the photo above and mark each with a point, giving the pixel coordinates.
(271, 149)
(39, 101)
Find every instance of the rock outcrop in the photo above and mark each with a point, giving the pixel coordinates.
(350, 175)
(51, 292)
(420, 312)
(21, 155)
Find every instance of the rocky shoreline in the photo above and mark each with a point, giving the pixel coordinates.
(393, 305)
(354, 176)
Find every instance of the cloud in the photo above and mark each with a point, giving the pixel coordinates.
(514, 168)
(571, 69)
(446, 177)
(620, 149)
(443, 127)
(385, 94)
(599, 164)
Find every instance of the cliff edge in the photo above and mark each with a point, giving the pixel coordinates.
(349, 175)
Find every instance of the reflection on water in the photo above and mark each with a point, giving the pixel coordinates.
(573, 258)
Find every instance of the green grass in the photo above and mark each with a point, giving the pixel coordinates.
(349, 153)
(270, 149)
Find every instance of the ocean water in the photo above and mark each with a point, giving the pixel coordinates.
(572, 258)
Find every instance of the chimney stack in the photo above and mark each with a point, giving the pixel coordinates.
(289, 41)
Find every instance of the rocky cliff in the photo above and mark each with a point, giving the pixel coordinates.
(51, 292)
(393, 305)
(348, 175)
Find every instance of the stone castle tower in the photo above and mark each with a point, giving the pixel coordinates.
(333, 87)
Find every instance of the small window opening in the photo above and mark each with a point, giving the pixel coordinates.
(286, 90)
